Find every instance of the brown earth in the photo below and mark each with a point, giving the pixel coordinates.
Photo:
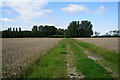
(108, 43)
(19, 53)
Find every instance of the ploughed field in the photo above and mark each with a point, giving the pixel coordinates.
(19, 53)
(108, 43)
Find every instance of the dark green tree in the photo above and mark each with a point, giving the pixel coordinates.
(8, 32)
(60, 31)
(72, 29)
(20, 32)
(85, 29)
(49, 30)
(34, 31)
(40, 31)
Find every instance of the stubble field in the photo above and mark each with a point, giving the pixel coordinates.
(18, 54)
(108, 43)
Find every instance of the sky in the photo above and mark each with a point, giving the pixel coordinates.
(103, 15)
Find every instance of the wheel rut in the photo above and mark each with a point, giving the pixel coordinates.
(100, 60)
(71, 66)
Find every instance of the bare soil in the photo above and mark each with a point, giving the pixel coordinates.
(108, 43)
(71, 66)
(19, 53)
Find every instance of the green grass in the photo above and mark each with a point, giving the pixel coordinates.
(108, 55)
(88, 67)
(110, 58)
(91, 69)
(51, 65)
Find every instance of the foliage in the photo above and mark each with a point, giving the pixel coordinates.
(41, 31)
(83, 29)
(75, 29)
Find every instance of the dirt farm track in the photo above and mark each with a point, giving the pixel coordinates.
(108, 43)
(19, 53)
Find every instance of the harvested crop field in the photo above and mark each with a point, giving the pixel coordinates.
(76, 59)
(108, 43)
(19, 53)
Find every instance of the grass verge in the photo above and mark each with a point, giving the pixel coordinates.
(88, 67)
(108, 55)
(109, 59)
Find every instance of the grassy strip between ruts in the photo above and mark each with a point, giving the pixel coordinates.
(51, 65)
(105, 55)
(88, 67)
(108, 55)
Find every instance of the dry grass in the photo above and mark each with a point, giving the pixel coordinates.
(108, 43)
(19, 53)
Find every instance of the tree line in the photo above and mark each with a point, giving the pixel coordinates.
(112, 33)
(37, 31)
(75, 29)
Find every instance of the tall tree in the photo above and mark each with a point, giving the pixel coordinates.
(20, 33)
(72, 29)
(34, 31)
(49, 30)
(85, 29)
(40, 31)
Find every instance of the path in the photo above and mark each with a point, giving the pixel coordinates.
(69, 60)
(71, 66)
(100, 60)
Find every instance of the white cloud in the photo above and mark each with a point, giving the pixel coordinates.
(100, 10)
(48, 11)
(0, 4)
(6, 19)
(73, 8)
(28, 10)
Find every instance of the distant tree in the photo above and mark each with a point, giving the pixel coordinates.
(27, 33)
(83, 29)
(113, 33)
(97, 33)
(66, 33)
(40, 31)
(9, 34)
(19, 29)
(118, 32)
(60, 31)
(72, 29)
(53, 30)
(20, 33)
(16, 30)
(86, 29)
(107, 34)
(10, 29)
(34, 31)
(75, 29)
(40, 28)
(49, 30)
(13, 29)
